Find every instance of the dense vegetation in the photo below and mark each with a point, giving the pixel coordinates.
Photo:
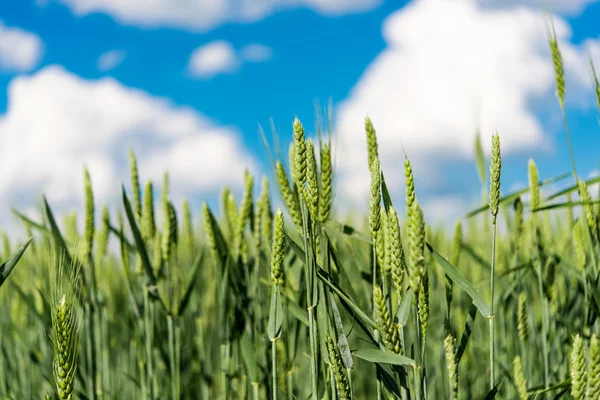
(262, 303)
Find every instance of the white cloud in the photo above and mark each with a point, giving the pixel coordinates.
(206, 14)
(562, 6)
(110, 59)
(449, 68)
(219, 57)
(20, 50)
(445, 210)
(213, 58)
(57, 122)
(256, 52)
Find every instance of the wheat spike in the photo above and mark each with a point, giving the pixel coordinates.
(578, 370)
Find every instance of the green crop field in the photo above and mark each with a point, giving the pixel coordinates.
(308, 302)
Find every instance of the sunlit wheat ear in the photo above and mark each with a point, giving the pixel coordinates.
(326, 192)
(277, 252)
(559, 72)
(229, 211)
(416, 238)
(578, 370)
(410, 188)
(266, 215)
(104, 233)
(66, 317)
(339, 375)
(167, 224)
(594, 369)
(480, 158)
(385, 325)
(451, 366)
(135, 184)
(495, 168)
(209, 231)
(519, 378)
(148, 224)
(287, 194)
(89, 215)
(522, 327)
(394, 253)
(375, 201)
(373, 152)
(300, 153)
(170, 236)
(423, 304)
(534, 185)
(261, 203)
(245, 209)
(590, 213)
(188, 225)
(311, 191)
(292, 164)
(380, 241)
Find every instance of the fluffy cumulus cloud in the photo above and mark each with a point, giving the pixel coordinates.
(111, 59)
(214, 58)
(57, 122)
(220, 57)
(20, 50)
(206, 14)
(449, 68)
(563, 6)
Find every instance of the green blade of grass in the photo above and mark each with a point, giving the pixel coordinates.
(518, 193)
(222, 251)
(130, 291)
(343, 275)
(297, 312)
(480, 260)
(7, 266)
(185, 300)
(342, 340)
(568, 204)
(121, 237)
(464, 339)
(59, 241)
(382, 357)
(536, 391)
(461, 281)
(387, 200)
(404, 309)
(275, 317)
(385, 375)
(137, 236)
(249, 356)
(495, 390)
(31, 222)
(349, 231)
(328, 280)
(30, 302)
(573, 188)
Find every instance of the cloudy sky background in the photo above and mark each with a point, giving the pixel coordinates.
(186, 83)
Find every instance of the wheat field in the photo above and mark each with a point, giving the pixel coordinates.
(307, 302)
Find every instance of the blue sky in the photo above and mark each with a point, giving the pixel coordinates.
(370, 57)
